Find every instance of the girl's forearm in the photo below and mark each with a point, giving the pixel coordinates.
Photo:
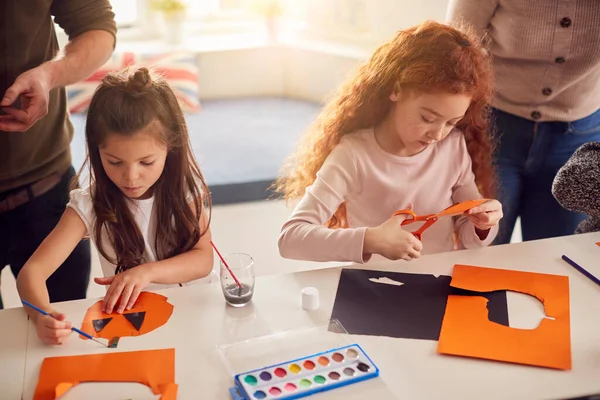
(32, 288)
(189, 266)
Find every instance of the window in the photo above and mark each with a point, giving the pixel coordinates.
(126, 12)
(337, 21)
(202, 8)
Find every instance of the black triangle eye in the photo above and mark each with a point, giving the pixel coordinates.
(136, 319)
(100, 324)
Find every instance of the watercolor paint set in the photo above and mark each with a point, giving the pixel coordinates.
(296, 363)
(309, 375)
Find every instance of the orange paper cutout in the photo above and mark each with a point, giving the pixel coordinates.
(153, 368)
(467, 331)
(157, 309)
(430, 219)
(598, 243)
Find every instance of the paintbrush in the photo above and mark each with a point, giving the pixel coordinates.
(82, 333)
(228, 269)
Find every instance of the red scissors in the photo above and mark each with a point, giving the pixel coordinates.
(431, 219)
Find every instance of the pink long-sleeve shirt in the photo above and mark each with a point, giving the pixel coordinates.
(374, 184)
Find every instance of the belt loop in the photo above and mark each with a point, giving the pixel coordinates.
(29, 193)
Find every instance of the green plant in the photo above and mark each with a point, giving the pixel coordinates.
(268, 8)
(169, 7)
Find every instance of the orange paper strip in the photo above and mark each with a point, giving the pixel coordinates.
(460, 208)
(430, 219)
(153, 368)
(157, 309)
(467, 331)
(598, 243)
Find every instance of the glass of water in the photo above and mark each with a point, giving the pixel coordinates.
(242, 266)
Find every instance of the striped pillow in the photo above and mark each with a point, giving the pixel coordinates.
(179, 69)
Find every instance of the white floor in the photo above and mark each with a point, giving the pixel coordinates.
(251, 228)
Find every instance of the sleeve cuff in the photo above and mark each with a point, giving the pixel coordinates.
(471, 240)
(358, 245)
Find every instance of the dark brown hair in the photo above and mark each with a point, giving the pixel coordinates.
(430, 57)
(125, 103)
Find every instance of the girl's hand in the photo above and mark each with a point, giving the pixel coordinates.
(128, 285)
(53, 330)
(391, 241)
(485, 216)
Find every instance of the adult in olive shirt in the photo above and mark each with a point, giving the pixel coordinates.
(35, 129)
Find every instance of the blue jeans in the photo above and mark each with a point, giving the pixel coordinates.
(527, 158)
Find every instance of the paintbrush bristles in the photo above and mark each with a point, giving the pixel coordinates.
(102, 343)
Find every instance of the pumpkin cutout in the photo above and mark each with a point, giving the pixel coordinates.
(153, 368)
(150, 311)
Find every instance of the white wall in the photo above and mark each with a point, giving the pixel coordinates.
(304, 68)
(298, 67)
(313, 75)
(389, 16)
(241, 73)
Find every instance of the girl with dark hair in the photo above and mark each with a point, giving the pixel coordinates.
(146, 208)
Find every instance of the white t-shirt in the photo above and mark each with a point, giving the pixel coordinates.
(144, 217)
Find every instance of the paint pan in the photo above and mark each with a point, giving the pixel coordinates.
(308, 375)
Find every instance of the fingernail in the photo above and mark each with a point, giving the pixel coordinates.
(120, 311)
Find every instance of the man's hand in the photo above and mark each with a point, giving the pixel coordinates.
(33, 88)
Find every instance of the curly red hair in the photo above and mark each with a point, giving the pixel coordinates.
(430, 57)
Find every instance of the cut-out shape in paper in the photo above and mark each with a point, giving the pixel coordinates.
(153, 368)
(99, 324)
(386, 280)
(413, 310)
(156, 312)
(527, 311)
(466, 331)
(136, 319)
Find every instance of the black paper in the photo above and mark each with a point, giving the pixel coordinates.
(99, 324)
(136, 319)
(413, 310)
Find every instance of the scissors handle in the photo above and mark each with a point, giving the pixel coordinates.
(409, 220)
(428, 219)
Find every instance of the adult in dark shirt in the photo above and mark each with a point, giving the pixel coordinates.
(35, 129)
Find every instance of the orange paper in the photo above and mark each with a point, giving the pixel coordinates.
(467, 331)
(460, 208)
(430, 219)
(157, 313)
(153, 368)
(598, 243)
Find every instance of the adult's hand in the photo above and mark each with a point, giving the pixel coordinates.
(33, 89)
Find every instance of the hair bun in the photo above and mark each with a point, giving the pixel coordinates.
(139, 82)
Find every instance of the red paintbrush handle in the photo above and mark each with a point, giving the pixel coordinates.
(226, 266)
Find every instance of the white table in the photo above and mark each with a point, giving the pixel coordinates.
(410, 369)
(13, 348)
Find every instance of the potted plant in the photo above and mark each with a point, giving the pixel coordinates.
(173, 13)
(271, 10)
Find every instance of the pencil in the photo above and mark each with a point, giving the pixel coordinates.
(580, 269)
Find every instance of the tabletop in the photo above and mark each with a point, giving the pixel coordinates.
(408, 368)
